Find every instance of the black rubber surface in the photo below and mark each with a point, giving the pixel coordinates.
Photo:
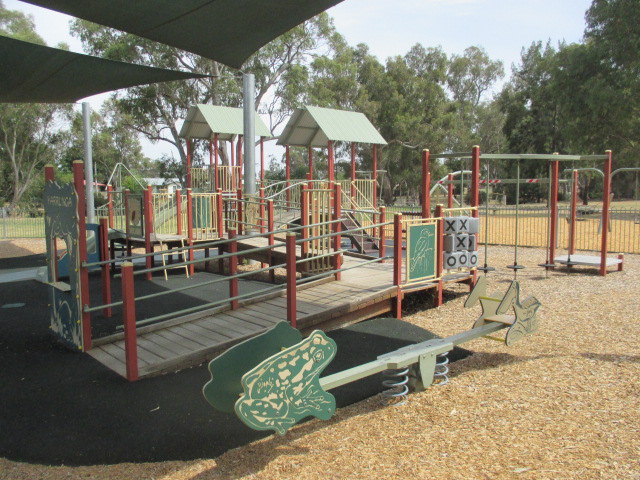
(61, 407)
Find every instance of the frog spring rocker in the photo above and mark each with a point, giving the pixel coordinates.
(272, 381)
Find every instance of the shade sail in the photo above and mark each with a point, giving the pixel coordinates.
(228, 31)
(203, 121)
(316, 126)
(39, 74)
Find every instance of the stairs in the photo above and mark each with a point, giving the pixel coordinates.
(361, 240)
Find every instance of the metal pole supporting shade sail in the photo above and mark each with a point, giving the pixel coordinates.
(228, 31)
(38, 74)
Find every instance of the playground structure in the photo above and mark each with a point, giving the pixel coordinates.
(273, 381)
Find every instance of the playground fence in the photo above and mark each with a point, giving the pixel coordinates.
(21, 224)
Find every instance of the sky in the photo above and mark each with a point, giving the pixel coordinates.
(392, 27)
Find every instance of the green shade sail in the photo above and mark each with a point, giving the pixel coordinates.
(316, 126)
(203, 121)
(38, 74)
(228, 31)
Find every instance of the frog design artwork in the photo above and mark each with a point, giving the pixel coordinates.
(285, 388)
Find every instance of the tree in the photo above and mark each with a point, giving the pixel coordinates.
(27, 131)
(156, 110)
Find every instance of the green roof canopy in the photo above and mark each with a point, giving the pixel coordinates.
(203, 121)
(39, 74)
(228, 31)
(316, 126)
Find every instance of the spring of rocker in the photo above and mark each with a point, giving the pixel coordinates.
(396, 386)
(441, 372)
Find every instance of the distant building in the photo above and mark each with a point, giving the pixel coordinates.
(163, 185)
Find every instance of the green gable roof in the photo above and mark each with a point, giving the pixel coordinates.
(203, 121)
(316, 126)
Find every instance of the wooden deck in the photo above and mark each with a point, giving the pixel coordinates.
(179, 343)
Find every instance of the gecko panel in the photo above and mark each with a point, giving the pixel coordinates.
(421, 252)
(285, 388)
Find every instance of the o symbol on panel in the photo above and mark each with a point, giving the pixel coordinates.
(451, 262)
(473, 259)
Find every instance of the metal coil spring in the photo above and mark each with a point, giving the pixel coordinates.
(441, 372)
(396, 386)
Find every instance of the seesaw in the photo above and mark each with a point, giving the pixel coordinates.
(272, 381)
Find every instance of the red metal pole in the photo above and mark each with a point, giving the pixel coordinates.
(219, 210)
(216, 180)
(233, 269)
(126, 223)
(78, 181)
(475, 176)
(262, 211)
(450, 191)
(271, 227)
(240, 219)
(439, 213)
(606, 203)
(553, 227)
(353, 170)
(287, 168)
(426, 184)
(397, 264)
(383, 234)
(129, 314)
(574, 213)
(310, 158)
(179, 211)
(337, 226)
(189, 185)
(106, 268)
(233, 153)
(375, 176)
(192, 268)
(110, 206)
(148, 228)
(262, 159)
(291, 280)
(331, 168)
(304, 218)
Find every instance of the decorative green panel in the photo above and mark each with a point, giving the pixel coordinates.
(60, 204)
(421, 251)
(225, 387)
(285, 388)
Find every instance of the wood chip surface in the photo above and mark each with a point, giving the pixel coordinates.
(561, 404)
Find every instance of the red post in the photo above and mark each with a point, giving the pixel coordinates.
(110, 206)
(310, 158)
(291, 279)
(126, 223)
(475, 177)
(262, 160)
(337, 226)
(178, 211)
(106, 268)
(331, 173)
(397, 264)
(189, 185)
(353, 170)
(450, 191)
(240, 219)
(574, 213)
(375, 176)
(553, 227)
(148, 228)
(262, 211)
(382, 248)
(219, 209)
(304, 218)
(621, 264)
(49, 176)
(606, 203)
(426, 184)
(78, 181)
(233, 269)
(439, 214)
(192, 268)
(233, 153)
(287, 168)
(239, 154)
(129, 317)
(216, 181)
(271, 227)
